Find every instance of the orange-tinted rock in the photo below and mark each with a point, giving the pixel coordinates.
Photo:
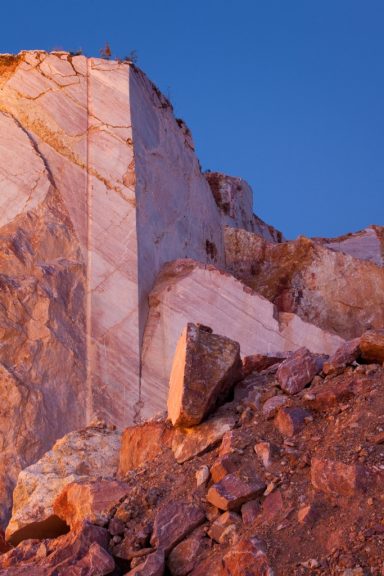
(296, 275)
(185, 556)
(174, 522)
(224, 465)
(153, 565)
(189, 442)
(337, 478)
(308, 514)
(233, 491)
(259, 362)
(141, 444)
(91, 501)
(211, 565)
(346, 354)
(290, 421)
(248, 558)
(205, 368)
(298, 370)
(221, 528)
(233, 441)
(372, 345)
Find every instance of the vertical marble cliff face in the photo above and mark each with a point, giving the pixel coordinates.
(99, 187)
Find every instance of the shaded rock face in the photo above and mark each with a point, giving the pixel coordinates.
(333, 290)
(367, 244)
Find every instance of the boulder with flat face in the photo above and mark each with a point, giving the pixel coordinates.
(205, 368)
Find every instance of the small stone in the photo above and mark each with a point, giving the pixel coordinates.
(247, 557)
(259, 362)
(272, 405)
(333, 477)
(250, 511)
(154, 565)
(232, 491)
(290, 421)
(224, 465)
(202, 476)
(372, 346)
(219, 529)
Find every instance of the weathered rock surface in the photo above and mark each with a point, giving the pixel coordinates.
(247, 557)
(233, 491)
(372, 345)
(141, 444)
(187, 291)
(205, 368)
(89, 453)
(330, 289)
(88, 501)
(298, 370)
(234, 199)
(337, 478)
(173, 523)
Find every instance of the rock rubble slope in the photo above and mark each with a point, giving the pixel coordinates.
(290, 489)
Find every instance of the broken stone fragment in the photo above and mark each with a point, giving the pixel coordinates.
(250, 511)
(337, 478)
(224, 465)
(248, 557)
(205, 368)
(185, 556)
(346, 354)
(173, 523)
(336, 390)
(233, 491)
(153, 565)
(202, 476)
(225, 525)
(298, 370)
(189, 442)
(90, 501)
(372, 346)
(142, 444)
(290, 421)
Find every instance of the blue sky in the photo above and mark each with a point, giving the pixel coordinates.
(288, 94)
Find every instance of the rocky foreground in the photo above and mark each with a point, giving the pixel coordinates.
(264, 466)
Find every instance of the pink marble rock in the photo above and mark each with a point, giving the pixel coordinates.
(187, 291)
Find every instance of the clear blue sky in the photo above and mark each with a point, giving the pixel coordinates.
(288, 94)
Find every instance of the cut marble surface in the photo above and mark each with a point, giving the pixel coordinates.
(188, 291)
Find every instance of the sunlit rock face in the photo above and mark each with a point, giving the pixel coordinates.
(367, 244)
(322, 283)
(99, 187)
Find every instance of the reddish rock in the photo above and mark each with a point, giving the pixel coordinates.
(225, 526)
(250, 511)
(336, 390)
(233, 441)
(272, 405)
(154, 565)
(190, 442)
(259, 362)
(185, 556)
(248, 558)
(173, 523)
(308, 514)
(91, 501)
(337, 478)
(298, 370)
(266, 452)
(372, 345)
(290, 421)
(212, 565)
(224, 465)
(232, 491)
(4, 547)
(141, 444)
(272, 505)
(346, 354)
(205, 368)
(80, 552)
